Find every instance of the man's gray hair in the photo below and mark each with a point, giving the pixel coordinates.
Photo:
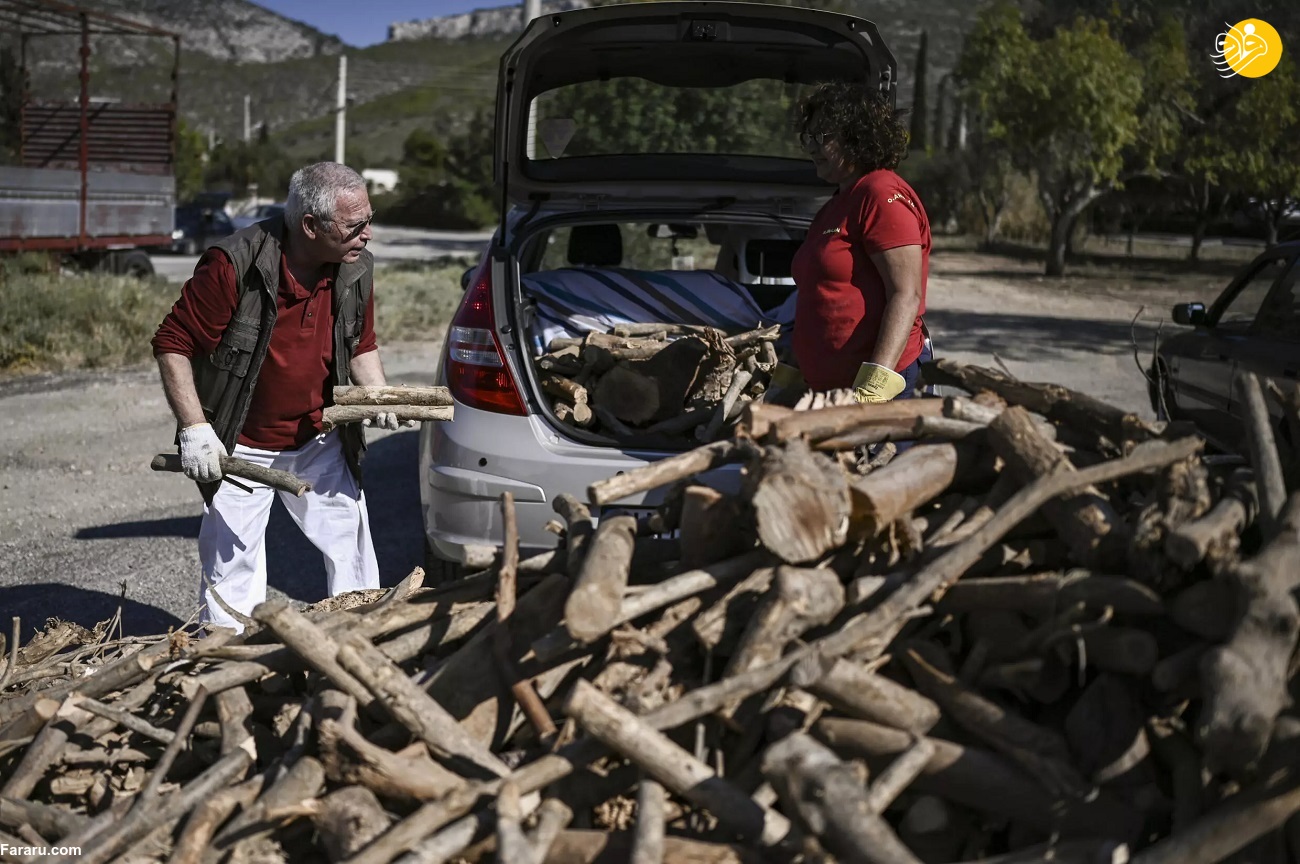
(315, 189)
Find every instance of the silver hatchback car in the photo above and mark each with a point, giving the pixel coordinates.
(647, 174)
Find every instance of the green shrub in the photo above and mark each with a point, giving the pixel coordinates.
(53, 322)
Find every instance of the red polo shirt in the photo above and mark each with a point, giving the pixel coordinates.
(841, 298)
(294, 384)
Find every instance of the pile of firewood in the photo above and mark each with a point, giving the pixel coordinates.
(1048, 631)
(657, 384)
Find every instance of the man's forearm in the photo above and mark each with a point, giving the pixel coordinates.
(368, 370)
(178, 385)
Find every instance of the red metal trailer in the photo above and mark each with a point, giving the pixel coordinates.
(95, 178)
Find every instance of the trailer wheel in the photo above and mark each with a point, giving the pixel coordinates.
(133, 262)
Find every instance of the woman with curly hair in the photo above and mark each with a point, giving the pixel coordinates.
(862, 270)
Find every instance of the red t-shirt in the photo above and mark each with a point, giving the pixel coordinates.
(841, 298)
(294, 384)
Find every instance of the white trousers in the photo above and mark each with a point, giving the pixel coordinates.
(232, 537)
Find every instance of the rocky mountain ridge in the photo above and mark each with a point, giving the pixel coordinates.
(481, 23)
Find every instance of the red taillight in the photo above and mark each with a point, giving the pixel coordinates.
(476, 369)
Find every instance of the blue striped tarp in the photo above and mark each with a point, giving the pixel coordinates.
(575, 301)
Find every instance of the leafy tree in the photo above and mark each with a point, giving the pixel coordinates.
(191, 153)
(1065, 107)
(1265, 127)
(920, 108)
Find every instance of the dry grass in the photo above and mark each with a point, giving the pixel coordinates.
(51, 321)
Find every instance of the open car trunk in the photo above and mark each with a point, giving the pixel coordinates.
(627, 354)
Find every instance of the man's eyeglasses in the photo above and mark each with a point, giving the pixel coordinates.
(353, 230)
(811, 141)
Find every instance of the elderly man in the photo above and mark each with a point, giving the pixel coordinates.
(273, 318)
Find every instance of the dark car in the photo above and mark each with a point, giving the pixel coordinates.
(1254, 326)
(197, 226)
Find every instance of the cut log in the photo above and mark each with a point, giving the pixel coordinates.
(666, 471)
(597, 596)
(912, 479)
(983, 781)
(628, 395)
(799, 599)
(1264, 457)
(236, 467)
(630, 736)
(575, 415)
(829, 800)
(1244, 681)
(855, 690)
(392, 395)
(578, 532)
(801, 503)
(347, 819)
(1057, 403)
(563, 388)
(337, 415)
(1038, 750)
(1086, 521)
(1215, 537)
(709, 527)
(781, 425)
(1041, 594)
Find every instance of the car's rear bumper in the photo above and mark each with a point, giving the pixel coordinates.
(466, 464)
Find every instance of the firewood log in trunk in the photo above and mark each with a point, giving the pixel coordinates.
(1038, 750)
(1215, 537)
(829, 800)
(713, 377)
(657, 755)
(628, 395)
(575, 415)
(565, 362)
(1207, 609)
(801, 503)
(1244, 681)
(593, 605)
(565, 389)
(392, 395)
(1068, 407)
(983, 781)
(1086, 521)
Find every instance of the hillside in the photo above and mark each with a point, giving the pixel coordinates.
(233, 48)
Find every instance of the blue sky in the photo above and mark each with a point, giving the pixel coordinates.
(366, 22)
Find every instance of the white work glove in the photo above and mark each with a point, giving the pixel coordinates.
(201, 452)
(876, 383)
(387, 420)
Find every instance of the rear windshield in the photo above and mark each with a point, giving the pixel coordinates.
(632, 116)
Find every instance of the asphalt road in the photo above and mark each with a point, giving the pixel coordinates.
(83, 521)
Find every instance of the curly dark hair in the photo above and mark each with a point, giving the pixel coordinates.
(871, 134)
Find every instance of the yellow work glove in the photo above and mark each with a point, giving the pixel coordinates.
(787, 377)
(876, 383)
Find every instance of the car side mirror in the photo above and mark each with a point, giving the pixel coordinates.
(1191, 314)
(465, 277)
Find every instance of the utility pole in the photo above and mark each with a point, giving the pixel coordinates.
(248, 123)
(341, 109)
(532, 9)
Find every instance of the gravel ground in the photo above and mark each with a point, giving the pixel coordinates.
(83, 522)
